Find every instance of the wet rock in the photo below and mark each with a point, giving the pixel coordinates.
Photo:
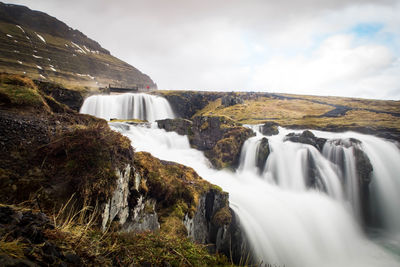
(269, 128)
(364, 170)
(262, 154)
(180, 126)
(313, 176)
(306, 137)
(233, 242)
(216, 225)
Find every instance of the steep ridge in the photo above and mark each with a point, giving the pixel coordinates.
(42, 47)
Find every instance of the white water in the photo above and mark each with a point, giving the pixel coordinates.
(128, 106)
(287, 223)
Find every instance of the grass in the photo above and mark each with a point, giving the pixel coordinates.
(288, 112)
(14, 248)
(87, 157)
(263, 108)
(380, 105)
(20, 91)
(75, 232)
(68, 63)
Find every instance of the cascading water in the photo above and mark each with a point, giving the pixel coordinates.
(128, 106)
(287, 221)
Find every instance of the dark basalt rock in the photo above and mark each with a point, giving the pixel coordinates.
(269, 128)
(308, 138)
(262, 154)
(180, 126)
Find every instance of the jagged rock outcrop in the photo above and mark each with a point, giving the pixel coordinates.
(221, 139)
(269, 128)
(308, 138)
(180, 126)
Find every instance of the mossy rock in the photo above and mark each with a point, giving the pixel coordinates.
(20, 92)
(176, 188)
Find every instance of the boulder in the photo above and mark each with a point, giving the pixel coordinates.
(306, 137)
(269, 128)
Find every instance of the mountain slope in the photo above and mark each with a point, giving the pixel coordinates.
(42, 47)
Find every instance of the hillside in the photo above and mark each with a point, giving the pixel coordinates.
(378, 117)
(41, 47)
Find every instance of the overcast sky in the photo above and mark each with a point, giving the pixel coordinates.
(319, 47)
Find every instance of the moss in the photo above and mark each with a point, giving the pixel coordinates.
(177, 188)
(21, 92)
(222, 217)
(226, 152)
(87, 157)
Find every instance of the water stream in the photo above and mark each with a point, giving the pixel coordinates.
(286, 222)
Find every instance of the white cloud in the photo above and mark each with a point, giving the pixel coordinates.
(335, 68)
(297, 46)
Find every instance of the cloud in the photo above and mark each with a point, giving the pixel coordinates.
(336, 68)
(307, 46)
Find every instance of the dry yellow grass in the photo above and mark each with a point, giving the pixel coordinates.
(263, 109)
(306, 112)
(381, 105)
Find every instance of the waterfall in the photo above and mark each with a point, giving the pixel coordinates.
(286, 222)
(302, 208)
(128, 106)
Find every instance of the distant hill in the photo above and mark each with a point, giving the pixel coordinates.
(42, 47)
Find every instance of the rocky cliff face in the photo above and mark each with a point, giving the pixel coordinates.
(42, 47)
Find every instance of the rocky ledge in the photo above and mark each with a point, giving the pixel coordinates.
(219, 137)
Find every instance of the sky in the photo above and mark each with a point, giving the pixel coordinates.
(315, 47)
